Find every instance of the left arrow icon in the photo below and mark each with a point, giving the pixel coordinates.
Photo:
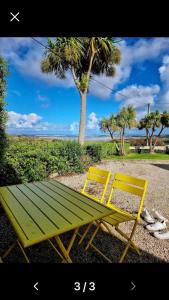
(35, 286)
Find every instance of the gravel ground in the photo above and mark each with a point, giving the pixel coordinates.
(153, 250)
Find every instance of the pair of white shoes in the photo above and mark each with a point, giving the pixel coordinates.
(156, 226)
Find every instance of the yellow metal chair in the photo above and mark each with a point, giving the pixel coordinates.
(99, 176)
(133, 186)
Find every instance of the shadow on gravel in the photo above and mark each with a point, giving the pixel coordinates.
(43, 253)
(162, 166)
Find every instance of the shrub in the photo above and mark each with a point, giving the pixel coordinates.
(86, 161)
(108, 149)
(72, 153)
(29, 160)
(94, 151)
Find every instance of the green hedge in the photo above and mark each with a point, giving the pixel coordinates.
(107, 150)
(29, 160)
(94, 151)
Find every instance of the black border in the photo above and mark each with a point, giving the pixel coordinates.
(81, 19)
(110, 279)
(85, 18)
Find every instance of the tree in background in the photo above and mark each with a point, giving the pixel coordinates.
(3, 113)
(83, 57)
(155, 120)
(109, 125)
(125, 119)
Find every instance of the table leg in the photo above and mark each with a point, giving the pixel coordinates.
(23, 251)
(63, 249)
(66, 251)
(72, 240)
(9, 250)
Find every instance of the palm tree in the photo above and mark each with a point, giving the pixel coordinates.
(83, 57)
(109, 125)
(151, 122)
(125, 119)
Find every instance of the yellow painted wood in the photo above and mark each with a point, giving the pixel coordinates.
(19, 218)
(99, 176)
(44, 203)
(39, 211)
(60, 211)
(127, 188)
(131, 185)
(82, 207)
(130, 179)
(77, 195)
(98, 171)
(96, 178)
(38, 217)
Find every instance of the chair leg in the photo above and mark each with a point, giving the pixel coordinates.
(128, 244)
(132, 245)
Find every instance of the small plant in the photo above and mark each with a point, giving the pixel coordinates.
(94, 151)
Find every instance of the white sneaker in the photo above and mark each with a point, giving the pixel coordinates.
(157, 226)
(162, 236)
(158, 216)
(146, 216)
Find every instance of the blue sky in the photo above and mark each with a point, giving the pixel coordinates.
(38, 103)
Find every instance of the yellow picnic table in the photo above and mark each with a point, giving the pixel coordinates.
(40, 211)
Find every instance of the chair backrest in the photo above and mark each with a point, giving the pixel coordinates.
(99, 176)
(132, 185)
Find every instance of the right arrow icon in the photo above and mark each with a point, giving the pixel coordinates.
(133, 286)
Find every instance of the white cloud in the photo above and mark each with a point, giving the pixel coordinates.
(141, 51)
(138, 95)
(164, 75)
(74, 127)
(92, 122)
(16, 120)
(25, 55)
(32, 122)
(164, 70)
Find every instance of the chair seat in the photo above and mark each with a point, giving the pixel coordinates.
(118, 216)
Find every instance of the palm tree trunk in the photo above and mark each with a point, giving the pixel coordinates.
(123, 143)
(162, 128)
(111, 133)
(151, 145)
(82, 119)
(83, 97)
(147, 137)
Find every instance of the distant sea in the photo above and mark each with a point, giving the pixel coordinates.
(73, 137)
(69, 137)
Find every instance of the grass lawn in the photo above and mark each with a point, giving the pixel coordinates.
(157, 156)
